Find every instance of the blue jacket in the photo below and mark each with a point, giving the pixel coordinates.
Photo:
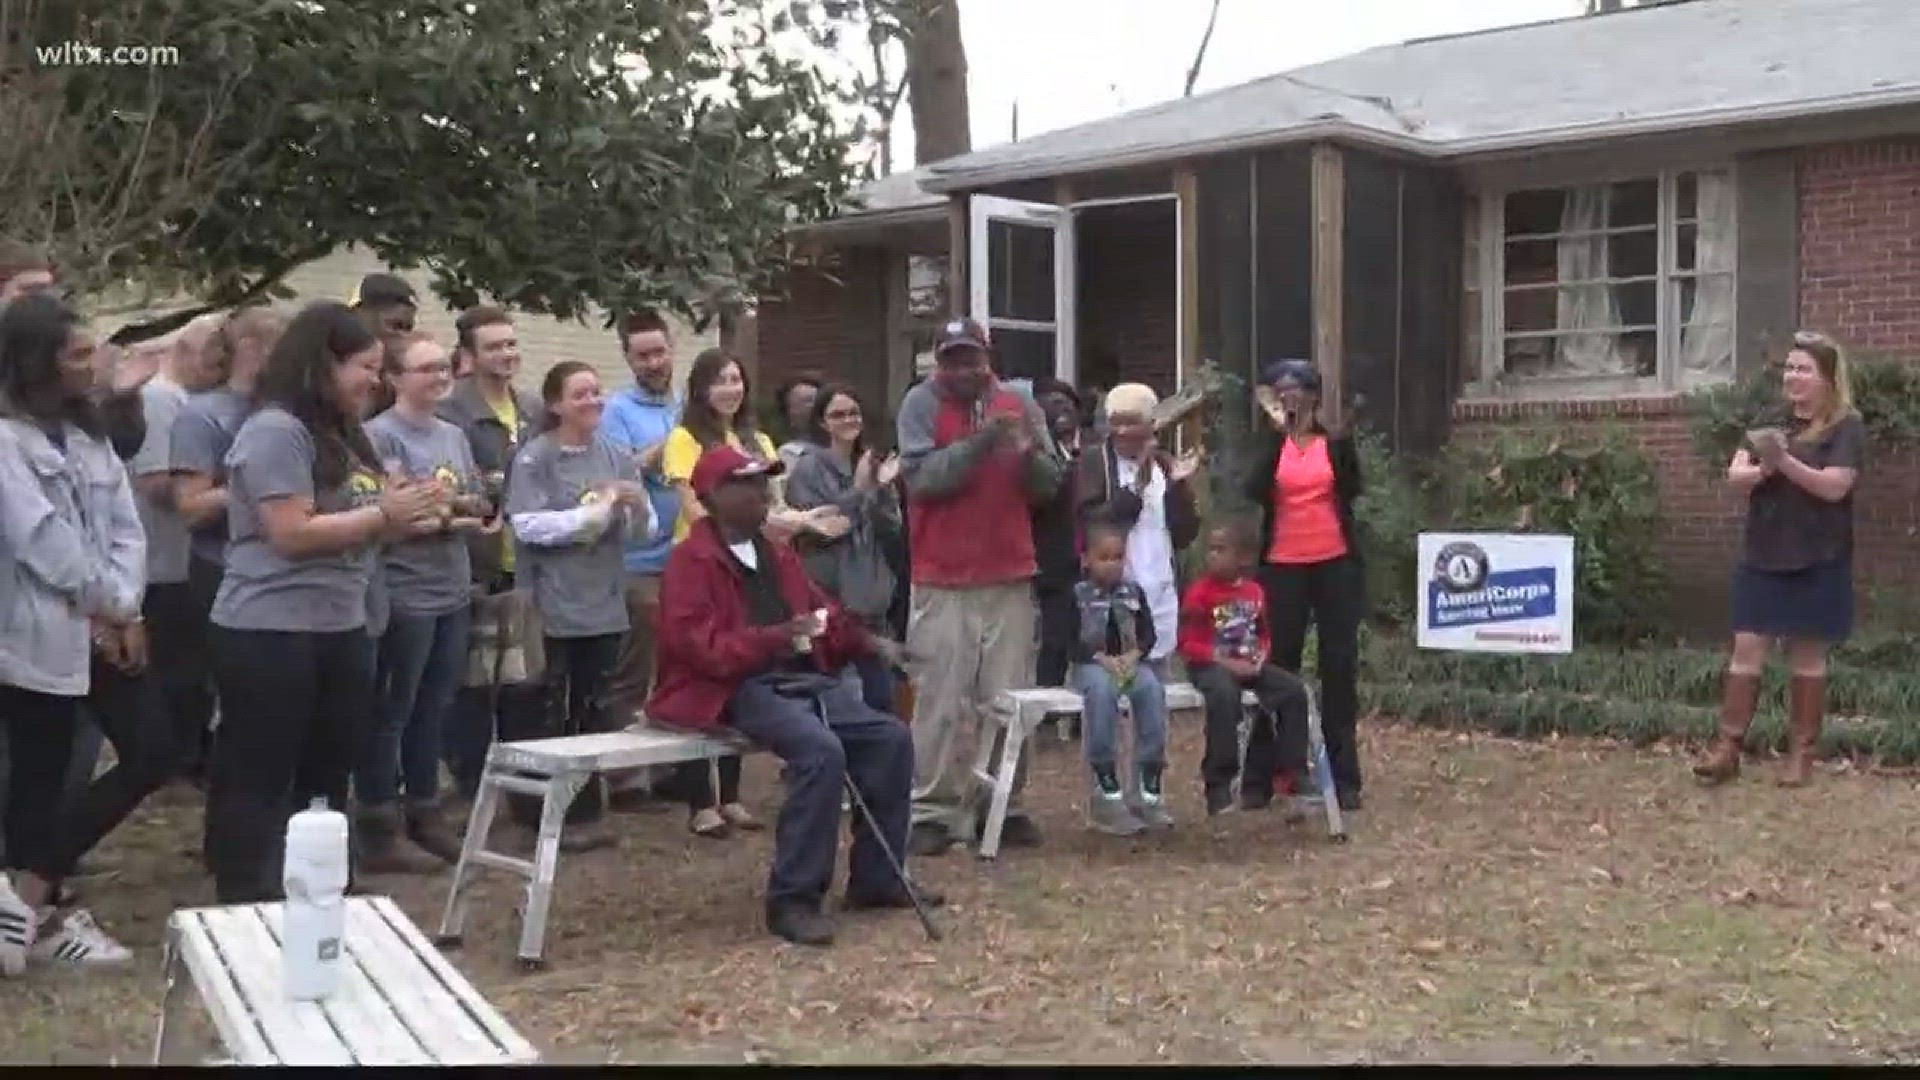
(638, 420)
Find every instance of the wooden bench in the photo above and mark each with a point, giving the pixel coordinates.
(399, 1001)
(1018, 713)
(554, 771)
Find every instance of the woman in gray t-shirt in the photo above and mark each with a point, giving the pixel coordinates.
(307, 506)
(573, 498)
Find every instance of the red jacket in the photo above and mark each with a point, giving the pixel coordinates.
(704, 646)
(1221, 618)
(977, 530)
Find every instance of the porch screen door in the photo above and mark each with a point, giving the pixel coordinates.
(1021, 273)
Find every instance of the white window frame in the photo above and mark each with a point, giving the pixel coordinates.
(1487, 245)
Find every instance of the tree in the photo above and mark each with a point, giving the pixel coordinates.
(1200, 54)
(558, 156)
(937, 80)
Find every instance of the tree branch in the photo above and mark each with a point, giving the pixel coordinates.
(1200, 54)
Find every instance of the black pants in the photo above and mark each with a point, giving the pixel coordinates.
(39, 741)
(1330, 596)
(1279, 736)
(295, 710)
(1059, 625)
(575, 689)
(131, 711)
(177, 633)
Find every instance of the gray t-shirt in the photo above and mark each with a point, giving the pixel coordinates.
(202, 434)
(160, 402)
(575, 586)
(428, 576)
(272, 458)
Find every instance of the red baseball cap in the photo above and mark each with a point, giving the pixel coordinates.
(724, 463)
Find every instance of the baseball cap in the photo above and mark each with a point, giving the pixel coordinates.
(962, 333)
(723, 463)
(383, 289)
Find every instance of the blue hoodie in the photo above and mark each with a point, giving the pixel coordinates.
(637, 419)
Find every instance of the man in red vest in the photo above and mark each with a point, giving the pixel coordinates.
(975, 456)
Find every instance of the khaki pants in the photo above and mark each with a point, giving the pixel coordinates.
(632, 678)
(974, 644)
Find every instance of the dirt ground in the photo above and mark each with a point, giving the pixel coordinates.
(1500, 902)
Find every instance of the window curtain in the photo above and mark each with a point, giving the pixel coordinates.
(1706, 336)
(1584, 310)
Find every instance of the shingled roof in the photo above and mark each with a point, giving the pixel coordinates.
(1640, 71)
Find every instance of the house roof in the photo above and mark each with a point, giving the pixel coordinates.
(1638, 71)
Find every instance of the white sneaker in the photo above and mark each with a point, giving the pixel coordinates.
(80, 943)
(17, 925)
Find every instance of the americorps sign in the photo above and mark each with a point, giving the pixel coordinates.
(1496, 592)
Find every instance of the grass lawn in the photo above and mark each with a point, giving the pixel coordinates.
(1500, 902)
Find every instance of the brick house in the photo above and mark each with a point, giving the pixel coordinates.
(1566, 223)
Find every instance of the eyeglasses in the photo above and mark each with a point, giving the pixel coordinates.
(843, 414)
(441, 368)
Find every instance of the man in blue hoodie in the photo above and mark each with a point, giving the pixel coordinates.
(640, 418)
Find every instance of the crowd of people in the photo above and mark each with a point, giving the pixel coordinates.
(328, 556)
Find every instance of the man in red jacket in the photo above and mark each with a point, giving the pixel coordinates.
(976, 456)
(746, 640)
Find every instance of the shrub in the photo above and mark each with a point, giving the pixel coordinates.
(1388, 515)
(1886, 390)
(1602, 494)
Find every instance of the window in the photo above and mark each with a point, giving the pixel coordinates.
(1613, 288)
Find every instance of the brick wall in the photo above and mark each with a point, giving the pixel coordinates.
(1128, 308)
(1860, 243)
(828, 322)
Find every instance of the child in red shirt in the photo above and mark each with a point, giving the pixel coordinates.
(1225, 641)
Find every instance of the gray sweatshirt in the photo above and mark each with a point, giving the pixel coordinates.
(576, 578)
(71, 547)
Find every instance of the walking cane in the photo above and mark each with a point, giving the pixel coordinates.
(880, 838)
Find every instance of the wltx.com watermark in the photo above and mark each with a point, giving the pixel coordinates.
(86, 54)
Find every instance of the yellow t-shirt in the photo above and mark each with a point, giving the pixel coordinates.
(681, 454)
(507, 413)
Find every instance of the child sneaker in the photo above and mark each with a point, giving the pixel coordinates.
(17, 926)
(80, 943)
(1107, 809)
(1153, 803)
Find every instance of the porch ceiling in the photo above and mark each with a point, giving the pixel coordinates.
(1636, 72)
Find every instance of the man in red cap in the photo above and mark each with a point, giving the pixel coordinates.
(746, 640)
(976, 457)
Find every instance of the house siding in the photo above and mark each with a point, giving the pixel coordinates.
(544, 341)
(827, 322)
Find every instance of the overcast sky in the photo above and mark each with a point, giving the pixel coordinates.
(1070, 61)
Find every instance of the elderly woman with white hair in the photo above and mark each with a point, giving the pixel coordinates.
(1128, 480)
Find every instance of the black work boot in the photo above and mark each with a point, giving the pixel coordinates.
(800, 923)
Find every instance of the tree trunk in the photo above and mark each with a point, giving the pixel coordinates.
(937, 82)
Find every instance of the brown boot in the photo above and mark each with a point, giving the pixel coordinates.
(428, 828)
(1740, 695)
(1806, 710)
(382, 847)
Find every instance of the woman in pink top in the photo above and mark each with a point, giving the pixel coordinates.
(1305, 480)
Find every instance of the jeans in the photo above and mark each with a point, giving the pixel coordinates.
(876, 683)
(823, 741)
(575, 683)
(421, 659)
(1283, 703)
(39, 742)
(1329, 595)
(1100, 715)
(293, 721)
(131, 711)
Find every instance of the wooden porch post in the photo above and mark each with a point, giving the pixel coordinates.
(958, 291)
(1329, 277)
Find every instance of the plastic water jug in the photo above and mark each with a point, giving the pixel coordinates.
(314, 926)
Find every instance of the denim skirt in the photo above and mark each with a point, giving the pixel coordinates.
(1812, 604)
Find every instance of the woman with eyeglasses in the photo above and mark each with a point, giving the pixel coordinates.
(1794, 583)
(422, 654)
(1305, 481)
(837, 468)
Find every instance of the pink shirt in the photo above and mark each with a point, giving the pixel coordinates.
(1306, 524)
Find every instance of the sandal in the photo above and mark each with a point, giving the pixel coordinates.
(708, 823)
(740, 817)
